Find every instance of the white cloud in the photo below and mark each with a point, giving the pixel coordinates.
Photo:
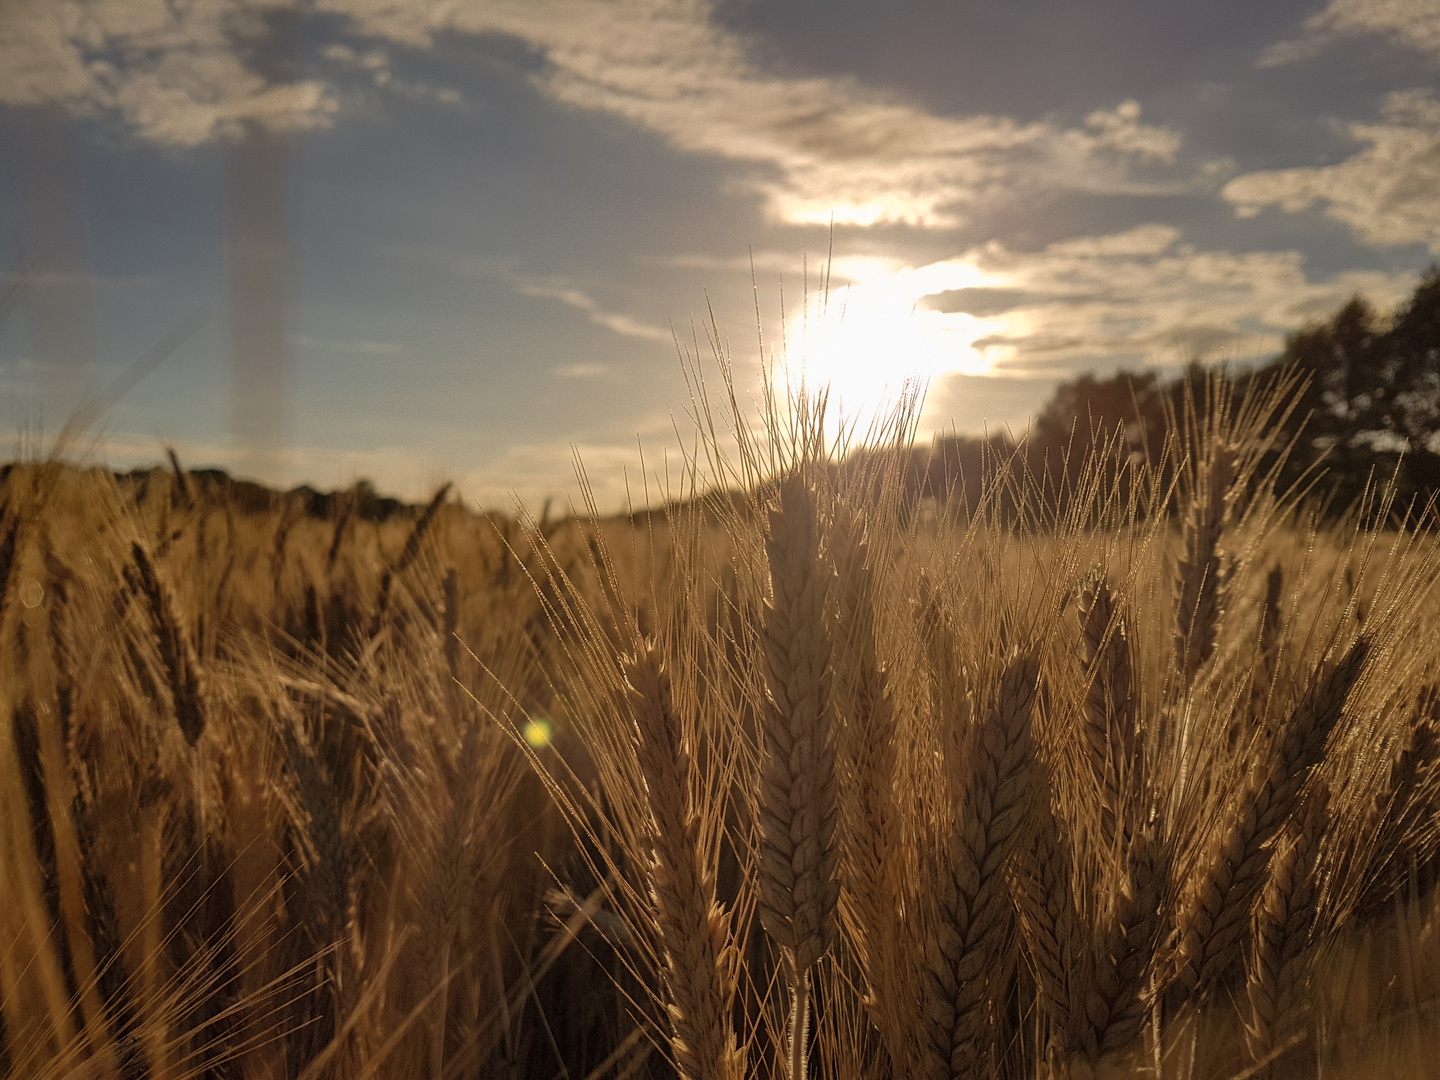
(1142, 296)
(377, 67)
(1121, 130)
(1414, 24)
(1388, 193)
(823, 145)
(818, 146)
(172, 72)
(991, 315)
(614, 321)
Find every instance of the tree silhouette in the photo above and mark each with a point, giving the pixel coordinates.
(1370, 408)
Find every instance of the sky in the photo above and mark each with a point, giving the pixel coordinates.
(475, 240)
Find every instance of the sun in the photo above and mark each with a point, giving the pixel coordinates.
(873, 335)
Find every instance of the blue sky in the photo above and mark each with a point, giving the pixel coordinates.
(500, 217)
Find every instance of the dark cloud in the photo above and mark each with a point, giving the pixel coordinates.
(981, 302)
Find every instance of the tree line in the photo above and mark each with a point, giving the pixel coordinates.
(1369, 410)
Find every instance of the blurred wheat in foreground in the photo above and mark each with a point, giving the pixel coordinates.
(813, 771)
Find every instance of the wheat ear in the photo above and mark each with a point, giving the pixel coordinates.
(328, 895)
(700, 958)
(868, 814)
(1115, 999)
(1042, 888)
(1399, 813)
(1267, 659)
(1112, 734)
(972, 902)
(798, 886)
(1284, 919)
(65, 803)
(408, 554)
(1396, 800)
(1201, 576)
(1217, 908)
(177, 651)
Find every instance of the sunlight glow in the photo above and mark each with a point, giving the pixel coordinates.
(873, 334)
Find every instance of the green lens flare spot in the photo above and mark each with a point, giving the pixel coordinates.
(537, 732)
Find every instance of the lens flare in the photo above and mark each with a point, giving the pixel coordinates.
(537, 732)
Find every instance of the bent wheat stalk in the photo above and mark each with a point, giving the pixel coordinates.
(177, 651)
(1217, 907)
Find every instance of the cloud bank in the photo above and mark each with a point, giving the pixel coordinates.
(812, 147)
(1414, 24)
(175, 74)
(1389, 193)
(1143, 296)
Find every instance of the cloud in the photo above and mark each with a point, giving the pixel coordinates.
(1120, 130)
(1136, 297)
(819, 146)
(1140, 296)
(614, 321)
(1414, 24)
(545, 287)
(1386, 193)
(184, 74)
(812, 147)
(981, 301)
(174, 73)
(375, 65)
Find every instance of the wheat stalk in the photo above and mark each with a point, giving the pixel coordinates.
(700, 959)
(1111, 706)
(1281, 930)
(971, 902)
(798, 887)
(1116, 998)
(1217, 906)
(1048, 923)
(1201, 575)
(869, 826)
(177, 651)
(408, 554)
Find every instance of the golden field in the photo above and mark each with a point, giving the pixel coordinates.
(802, 773)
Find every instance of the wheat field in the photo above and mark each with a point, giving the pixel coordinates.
(805, 772)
